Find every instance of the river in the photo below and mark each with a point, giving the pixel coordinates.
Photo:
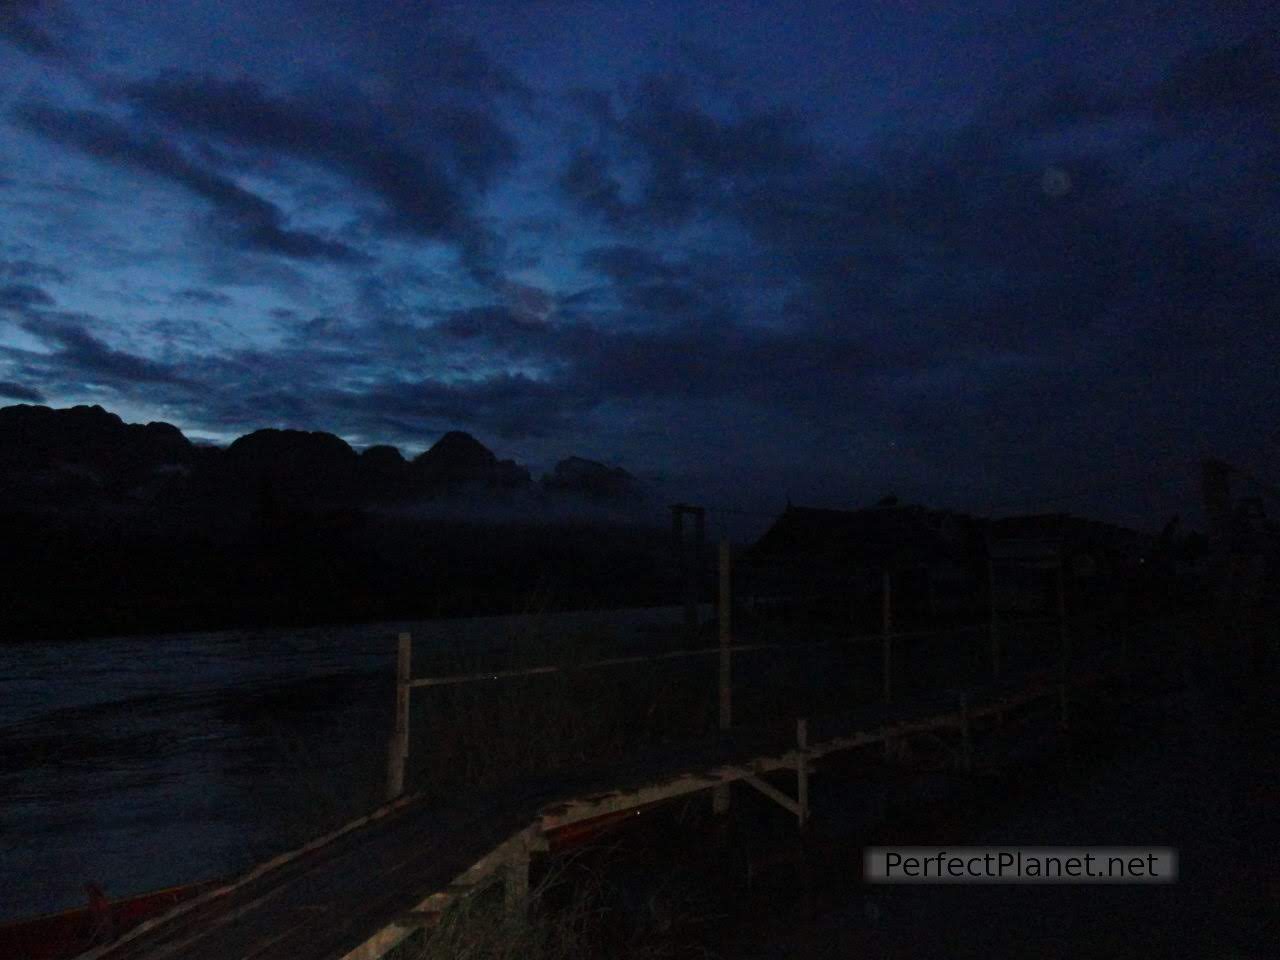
(145, 762)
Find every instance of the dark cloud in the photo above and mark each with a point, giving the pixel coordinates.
(427, 192)
(459, 63)
(1028, 108)
(510, 405)
(629, 264)
(587, 183)
(695, 158)
(80, 356)
(249, 220)
(16, 391)
(30, 271)
(938, 288)
(497, 327)
(200, 297)
(22, 296)
(21, 26)
(400, 40)
(663, 299)
(686, 159)
(1243, 76)
(646, 283)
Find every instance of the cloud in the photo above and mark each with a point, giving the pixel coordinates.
(427, 191)
(511, 405)
(1238, 76)
(16, 391)
(80, 356)
(248, 220)
(1030, 108)
(931, 288)
(403, 44)
(685, 159)
(20, 26)
(629, 264)
(23, 296)
(204, 298)
(28, 270)
(588, 184)
(497, 327)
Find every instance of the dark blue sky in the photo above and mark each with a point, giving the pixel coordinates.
(985, 255)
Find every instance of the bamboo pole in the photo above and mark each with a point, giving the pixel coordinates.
(726, 662)
(886, 617)
(490, 675)
(683, 557)
(693, 572)
(802, 771)
(720, 797)
(995, 622)
(1064, 635)
(515, 886)
(398, 751)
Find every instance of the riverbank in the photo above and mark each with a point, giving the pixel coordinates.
(1192, 767)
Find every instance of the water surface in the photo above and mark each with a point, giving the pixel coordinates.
(144, 762)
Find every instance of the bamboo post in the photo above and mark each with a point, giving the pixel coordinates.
(694, 582)
(398, 750)
(886, 616)
(515, 883)
(720, 796)
(995, 622)
(726, 604)
(685, 562)
(802, 771)
(1064, 635)
(1215, 490)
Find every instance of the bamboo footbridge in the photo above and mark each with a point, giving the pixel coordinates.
(359, 891)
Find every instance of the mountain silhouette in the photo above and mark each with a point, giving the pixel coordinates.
(577, 475)
(87, 451)
(150, 532)
(83, 450)
(459, 460)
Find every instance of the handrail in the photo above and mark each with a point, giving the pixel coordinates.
(398, 747)
(544, 669)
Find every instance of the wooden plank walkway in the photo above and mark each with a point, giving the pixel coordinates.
(355, 893)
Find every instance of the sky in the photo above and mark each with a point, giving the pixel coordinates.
(996, 256)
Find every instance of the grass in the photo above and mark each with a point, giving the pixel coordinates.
(577, 910)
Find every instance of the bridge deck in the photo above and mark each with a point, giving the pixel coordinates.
(345, 895)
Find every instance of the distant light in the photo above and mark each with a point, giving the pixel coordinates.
(1055, 181)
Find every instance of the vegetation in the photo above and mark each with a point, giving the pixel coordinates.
(581, 908)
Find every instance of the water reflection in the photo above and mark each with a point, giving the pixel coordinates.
(141, 763)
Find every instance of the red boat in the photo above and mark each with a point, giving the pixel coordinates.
(60, 936)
